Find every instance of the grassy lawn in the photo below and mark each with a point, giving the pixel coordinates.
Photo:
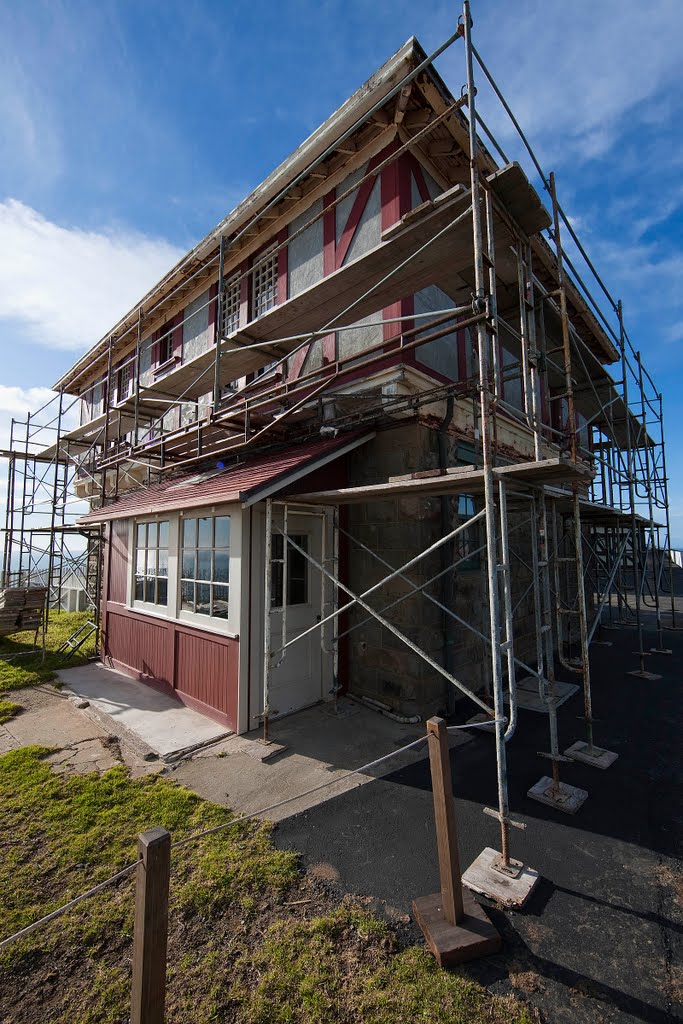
(252, 939)
(33, 668)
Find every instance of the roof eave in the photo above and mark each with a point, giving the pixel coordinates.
(379, 83)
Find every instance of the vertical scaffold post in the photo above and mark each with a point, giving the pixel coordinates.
(138, 346)
(665, 485)
(641, 672)
(482, 304)
(218, 333)
(649, 481)
(267, 597)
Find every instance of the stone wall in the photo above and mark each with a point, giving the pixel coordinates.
(381, 666)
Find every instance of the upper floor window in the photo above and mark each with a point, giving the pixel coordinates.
(264, 283)
(231, 305)
(165, 343)
(124, 380)
(151, 562)
(205, 566)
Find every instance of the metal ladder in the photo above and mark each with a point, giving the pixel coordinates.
(82, 634)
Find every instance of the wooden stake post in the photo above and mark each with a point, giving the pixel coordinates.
(151, 927)
(455, 926)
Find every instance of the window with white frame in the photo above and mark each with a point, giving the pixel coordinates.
(205, 566)
(124, 380)
(264, 283)
(231, 305)
(151, 563)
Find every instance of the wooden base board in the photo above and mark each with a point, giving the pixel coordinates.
(651, 676)
(475, 936)
(598, 757)
(510, 890)
(568, 799)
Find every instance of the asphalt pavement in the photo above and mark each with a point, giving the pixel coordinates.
(601, 938)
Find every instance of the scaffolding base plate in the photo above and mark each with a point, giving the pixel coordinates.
(484, 876)
(661, 650)
(651, 676)
(598, 757)
(473, 937)
(568, 798)
(602, 643)
(529, 698)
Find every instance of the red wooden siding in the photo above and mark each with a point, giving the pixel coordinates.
(201, 668)
(140, 644)
(203, 665)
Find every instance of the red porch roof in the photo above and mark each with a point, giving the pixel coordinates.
(247, 482)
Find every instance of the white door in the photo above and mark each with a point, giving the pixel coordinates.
(300, 675)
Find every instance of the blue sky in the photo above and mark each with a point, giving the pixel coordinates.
(130, 129)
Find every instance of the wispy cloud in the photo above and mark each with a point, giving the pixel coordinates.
(67, 286)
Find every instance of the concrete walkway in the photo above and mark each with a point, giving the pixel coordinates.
(308, 751)
(148, 717)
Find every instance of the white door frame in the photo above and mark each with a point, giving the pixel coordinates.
(265, 629)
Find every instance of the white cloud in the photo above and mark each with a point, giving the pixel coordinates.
(68, 286)
(573, 73)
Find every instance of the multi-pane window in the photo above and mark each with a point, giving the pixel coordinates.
(151, 562)
(297, 571)
(264, 284)
(231, 305)
(205, 566)
(165, 343)
(125, 377)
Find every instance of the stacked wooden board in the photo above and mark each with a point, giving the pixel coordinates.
(21, 609)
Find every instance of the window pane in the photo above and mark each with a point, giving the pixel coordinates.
(222, 539)
(139, 588)
(297, 586)
(163, 534)
(221, 566)
(189, 532)
(162, 591)
(220, 602)
(187, 596)
(141, 535)
(162, 563)
(188, 565)
(276, 585)
(203, 606)
(140, 562)
(152, 534)
(151, 590)
(204, 565)
(204, 539)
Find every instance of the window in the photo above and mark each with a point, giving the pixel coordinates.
(205, 566)
(231, 305)
(297, 571)
(151, 563)
(165, 343)
(467, 542)
(264, 284)
(125, 376)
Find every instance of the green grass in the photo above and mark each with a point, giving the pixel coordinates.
(242, 948)
(8, 710)
(33, 668)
